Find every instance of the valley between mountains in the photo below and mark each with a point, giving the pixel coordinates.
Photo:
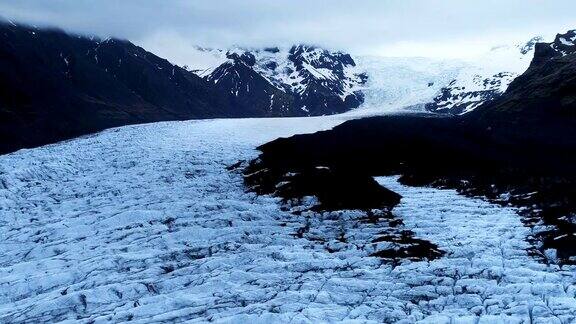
(294, 184)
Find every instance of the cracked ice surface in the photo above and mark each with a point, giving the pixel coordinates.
(144, 223)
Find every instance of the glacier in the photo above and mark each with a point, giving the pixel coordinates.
(145, 223)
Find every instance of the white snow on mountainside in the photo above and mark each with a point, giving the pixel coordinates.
(445, 86)
(405, 83)
(145, 223)
(564, 43)
(484, 79)
(276, 65)
(389, 82)
(297, 81)
(205, 60)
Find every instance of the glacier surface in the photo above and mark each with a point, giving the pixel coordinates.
(144, 223)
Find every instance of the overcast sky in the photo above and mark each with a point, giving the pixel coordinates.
(432, 28)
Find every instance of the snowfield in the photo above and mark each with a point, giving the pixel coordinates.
(404, 82)
(144, 223)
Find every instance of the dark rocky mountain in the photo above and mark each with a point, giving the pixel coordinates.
(327, 85)
(540, 105)
(485, 80)
(519, 149)
(55, 86)
(562, 45)
(249, 89)
(299, 81)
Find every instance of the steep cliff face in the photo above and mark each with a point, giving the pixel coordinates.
(563, 44)
(55, 86)
(484, 80)
(539, 105)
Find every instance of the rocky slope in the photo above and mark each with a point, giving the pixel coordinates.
(562, 45)
(297, 81)
(483, 80)
(55, 86)
(539, 105)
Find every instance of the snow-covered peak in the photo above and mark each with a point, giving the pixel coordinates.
(280, 64)
(320, 58)
(319, 80)
(205, 60)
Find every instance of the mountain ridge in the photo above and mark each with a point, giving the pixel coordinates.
(317, 81)
(56, 85)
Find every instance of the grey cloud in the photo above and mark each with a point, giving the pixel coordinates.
(362, 26)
